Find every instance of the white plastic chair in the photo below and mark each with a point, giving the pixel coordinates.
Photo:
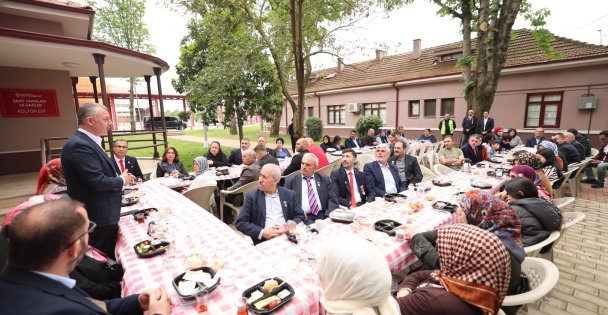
(559, 192)
(594, 152)
(561, 203)
(572, 218)
(534, 250)
(243, 189)
(201, 196)
(543, 276)
(441, 169)
(363, 159)
(427, 174)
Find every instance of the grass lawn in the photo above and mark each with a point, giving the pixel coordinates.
(251, 132)
(187, 150)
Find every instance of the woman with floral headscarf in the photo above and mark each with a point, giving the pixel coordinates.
(51, 179)
(530, 159)
(559, 158)
(473, 275)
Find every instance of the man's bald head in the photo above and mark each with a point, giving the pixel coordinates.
(310, 141)
(41, 233)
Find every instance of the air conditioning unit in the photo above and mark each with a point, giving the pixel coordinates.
(353, 107)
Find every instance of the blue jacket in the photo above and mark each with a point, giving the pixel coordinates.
(327, 195)
(531, 142)
(350, 143)
(236, 157)
(92, 179)
(374, 180)
(28, 293)
(252, 218)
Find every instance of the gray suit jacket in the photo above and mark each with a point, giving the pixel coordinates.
(250, 173)
(327, 196)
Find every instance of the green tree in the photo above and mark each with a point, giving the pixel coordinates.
(184, 115)
(222, 64)
(364, 123)
(120, 22)
(483, 59)
(314, 127)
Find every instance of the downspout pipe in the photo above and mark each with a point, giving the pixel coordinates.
(396, 105)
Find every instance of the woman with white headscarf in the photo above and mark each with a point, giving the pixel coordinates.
(355, 278)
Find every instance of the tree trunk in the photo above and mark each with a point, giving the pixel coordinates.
(131, 103)
(276, 124)
(233, 124)
(297, 42)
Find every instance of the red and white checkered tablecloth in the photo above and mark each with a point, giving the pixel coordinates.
(193, 226)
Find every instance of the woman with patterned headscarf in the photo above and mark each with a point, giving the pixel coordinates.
(51, 179)
(355, 278)
(473, 275)
(530, 159)
(559, 158)
(532, 175)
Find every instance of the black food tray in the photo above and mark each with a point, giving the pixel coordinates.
(440, 184)
(393, 197)
(146, 212)
(282, 286)
(155, 249)
(124, 202)
(447, 207)
(387, 226)
(191, 297)
(293, 238)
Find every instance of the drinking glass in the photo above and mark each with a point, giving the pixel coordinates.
(202, 300)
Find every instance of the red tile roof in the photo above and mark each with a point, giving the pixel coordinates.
(523, 51)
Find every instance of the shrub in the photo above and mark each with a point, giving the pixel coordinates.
(314, 127)
(366, 122)
(184, 116)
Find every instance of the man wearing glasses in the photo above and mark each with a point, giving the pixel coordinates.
(125, 162)
(46, 242)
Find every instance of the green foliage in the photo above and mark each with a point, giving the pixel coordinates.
(464, 60)
(314, 127)
(364, 123)
(184, 115)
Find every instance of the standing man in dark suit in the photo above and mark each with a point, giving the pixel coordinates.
(353, 142)
(292, 135)
(268, 207)
(469, 125)
(486, 124)
(381, 178)
(91, 177)
(296, 160)
(236, 155)
(472, 150)
(46, 243)
(314, 190)
(348, 182)
(537, 139)
(124, 162)
(407, 165)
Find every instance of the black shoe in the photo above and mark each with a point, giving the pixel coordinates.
(597, 185)
(589, 181)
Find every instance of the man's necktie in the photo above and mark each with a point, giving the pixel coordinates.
(353, 201)
(122, 166)
(312, 197)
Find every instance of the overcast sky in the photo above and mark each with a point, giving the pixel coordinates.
(579, 20)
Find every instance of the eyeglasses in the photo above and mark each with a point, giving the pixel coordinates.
(91, 228)
(121, 146)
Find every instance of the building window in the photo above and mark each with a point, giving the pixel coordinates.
(450, 57)
(375, 109)
(543, 110)
(430, 108)
(447, 106)
(310, 111)
(336, 115)
(414, 109)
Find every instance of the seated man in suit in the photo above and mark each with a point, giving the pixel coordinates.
(472, 150)
(353, 142)
(314, 190)
(537, 139)
(296, 160)
(318, 152)
(349, 182)
(124, 162)
(570, 138)
(568, 150)
(407, 165)
(262, 142)
(250, 173)
(263, 157)
(46, 242)
(381, 178)
(370, 138)
(267, 208)
(236, 155)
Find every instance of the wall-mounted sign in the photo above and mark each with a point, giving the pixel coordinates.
(28, 103)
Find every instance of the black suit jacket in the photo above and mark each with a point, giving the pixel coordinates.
(350, 143)
(327, 196)
(92, 179)
(570, 153)
(295, 164)
(468, 153)
(252, 217)
(341, 186)
(131, 165)
(531, 142)
(413, 174)
(25, 293)
(236, 157)
(489, 125)
(469, 124)
(374, 180)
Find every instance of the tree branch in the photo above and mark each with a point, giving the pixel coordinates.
(447, 8)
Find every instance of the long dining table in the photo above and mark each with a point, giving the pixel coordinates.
(194, 232)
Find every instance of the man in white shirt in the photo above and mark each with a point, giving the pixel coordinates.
(486, 124)
(348, 182)
(267, 208)
(381, 178)
(314, 190)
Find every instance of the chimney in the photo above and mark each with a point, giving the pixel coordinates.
(380, 54)
(340, 67)
(416, 53)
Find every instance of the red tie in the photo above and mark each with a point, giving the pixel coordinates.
(353, 202)
(122, 166)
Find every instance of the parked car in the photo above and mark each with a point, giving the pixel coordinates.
(171, 122)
